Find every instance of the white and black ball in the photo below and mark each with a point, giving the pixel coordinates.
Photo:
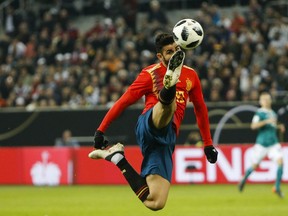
(188, 33)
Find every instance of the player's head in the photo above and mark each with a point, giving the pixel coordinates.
(163, 39)
(165, 47)
(265, 100)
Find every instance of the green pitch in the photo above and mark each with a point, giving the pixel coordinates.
(198, 200)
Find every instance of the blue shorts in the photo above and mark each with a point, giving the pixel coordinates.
(157, 146)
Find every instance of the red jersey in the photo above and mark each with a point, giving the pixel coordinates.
(149, 82)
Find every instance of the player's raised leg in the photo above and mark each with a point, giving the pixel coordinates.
(174, 69)
(259, 153)
(162, 115)
(245, 177)
(165, 108)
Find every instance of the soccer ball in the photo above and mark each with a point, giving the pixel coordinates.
(188, 33)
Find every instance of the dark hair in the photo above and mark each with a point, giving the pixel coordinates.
(162, 40)
(265, 93)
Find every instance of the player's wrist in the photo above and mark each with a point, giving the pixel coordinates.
(207, 144)
(99, 132)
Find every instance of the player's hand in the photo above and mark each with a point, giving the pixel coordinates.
(99, 140)
(282, 128)
(271, 121)
(211, 153)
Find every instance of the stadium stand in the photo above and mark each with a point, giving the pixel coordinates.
(72, 54)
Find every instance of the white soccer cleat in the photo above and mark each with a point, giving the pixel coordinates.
(107, 153)
(174, 69)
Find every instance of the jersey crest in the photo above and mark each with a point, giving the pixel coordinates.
(188, 84)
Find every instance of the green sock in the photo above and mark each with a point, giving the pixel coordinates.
(247, 173)
(279, 177)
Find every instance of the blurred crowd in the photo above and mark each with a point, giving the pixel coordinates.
(45, 62)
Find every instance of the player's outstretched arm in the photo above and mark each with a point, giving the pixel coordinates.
(202, 119)
(127, 99)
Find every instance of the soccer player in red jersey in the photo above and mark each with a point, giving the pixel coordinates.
(167, 87)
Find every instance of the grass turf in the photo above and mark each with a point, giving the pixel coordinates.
(198, 200)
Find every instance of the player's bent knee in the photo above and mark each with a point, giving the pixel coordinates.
(159, 188)
(156, 205)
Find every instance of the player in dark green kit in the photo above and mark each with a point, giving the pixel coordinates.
(267, 144)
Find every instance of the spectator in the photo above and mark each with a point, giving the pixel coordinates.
(237, 22)
(251, 49)
(3, 102)
(66, 140)
(11, 21)
(130, 13)
(194, 139)
(260, 56)
(17, 49)
(282, 78)
(156, 13)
